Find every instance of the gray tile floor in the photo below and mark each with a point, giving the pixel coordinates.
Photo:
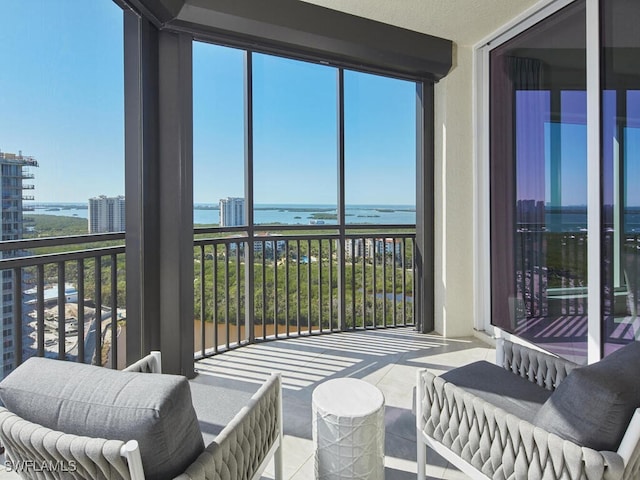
(388, 359)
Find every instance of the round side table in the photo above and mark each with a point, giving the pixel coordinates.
(348, 430)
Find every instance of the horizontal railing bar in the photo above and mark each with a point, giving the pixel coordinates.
(287, 238)
(31, 260)
(380, 235)
(202, 230)
(265, 238)
(218, 241)
(30, 243)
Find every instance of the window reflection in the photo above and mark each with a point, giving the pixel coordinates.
(539, 184)
(620, 169)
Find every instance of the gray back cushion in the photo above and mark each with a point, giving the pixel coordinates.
(594, 404)
(153, 409)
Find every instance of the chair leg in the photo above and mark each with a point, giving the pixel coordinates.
(421, 458)
(277, 462)
(277, 457)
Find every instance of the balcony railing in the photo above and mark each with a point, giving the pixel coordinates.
(300, 284)
(551, 290)
(246, 289)
(67, 309)
(19, 159)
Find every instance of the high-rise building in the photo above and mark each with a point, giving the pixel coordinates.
(232, 212)
(13, 170)
(106, 214)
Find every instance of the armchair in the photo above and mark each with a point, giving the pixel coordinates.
(67, 420)
(534, 416)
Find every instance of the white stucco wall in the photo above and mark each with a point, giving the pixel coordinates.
(454, 198)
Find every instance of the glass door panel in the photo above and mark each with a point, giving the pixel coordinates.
(539, 184)
(620, 232)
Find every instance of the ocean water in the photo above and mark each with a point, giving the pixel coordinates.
(355, 214)
(273, 214)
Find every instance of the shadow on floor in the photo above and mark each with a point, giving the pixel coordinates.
(386, 358)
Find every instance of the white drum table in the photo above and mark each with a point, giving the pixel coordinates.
(348, 430)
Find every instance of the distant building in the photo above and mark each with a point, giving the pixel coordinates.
(232, 212)
(267, 245)
(51, 295)
(369, 247)
(106, 214)
(353, 248)
(14, 169)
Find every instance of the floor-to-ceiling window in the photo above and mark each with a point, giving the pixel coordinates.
(539, 177)
(218, 135)
(295, 143)
(380, 149)
(305, 184)
(620, 168)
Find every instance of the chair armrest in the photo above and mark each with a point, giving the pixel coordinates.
(246, 444)
(501, 445)
(29, 446)
(541, 368)
(151, 363)
(629, 448)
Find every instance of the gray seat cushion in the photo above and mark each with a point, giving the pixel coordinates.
(500, 387)
(594, 404)
(153, 409)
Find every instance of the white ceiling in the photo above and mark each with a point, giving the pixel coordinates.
(466, 22)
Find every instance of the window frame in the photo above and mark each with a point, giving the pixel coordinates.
(159, 157)
(482, 275)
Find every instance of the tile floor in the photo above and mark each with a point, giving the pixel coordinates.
(388, 359)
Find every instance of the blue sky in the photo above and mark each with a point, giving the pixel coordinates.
(295, 131)
(61, 94)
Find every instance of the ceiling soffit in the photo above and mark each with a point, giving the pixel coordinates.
(307, 31)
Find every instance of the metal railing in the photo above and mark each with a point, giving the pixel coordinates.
(67, 308)
(282, 285)
(551, 273)
(247, 289)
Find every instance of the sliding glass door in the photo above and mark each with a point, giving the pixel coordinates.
(620, 145)
(539, 184)
(539, 177)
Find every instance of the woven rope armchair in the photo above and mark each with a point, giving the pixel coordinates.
(484, 440)
(241, 450)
